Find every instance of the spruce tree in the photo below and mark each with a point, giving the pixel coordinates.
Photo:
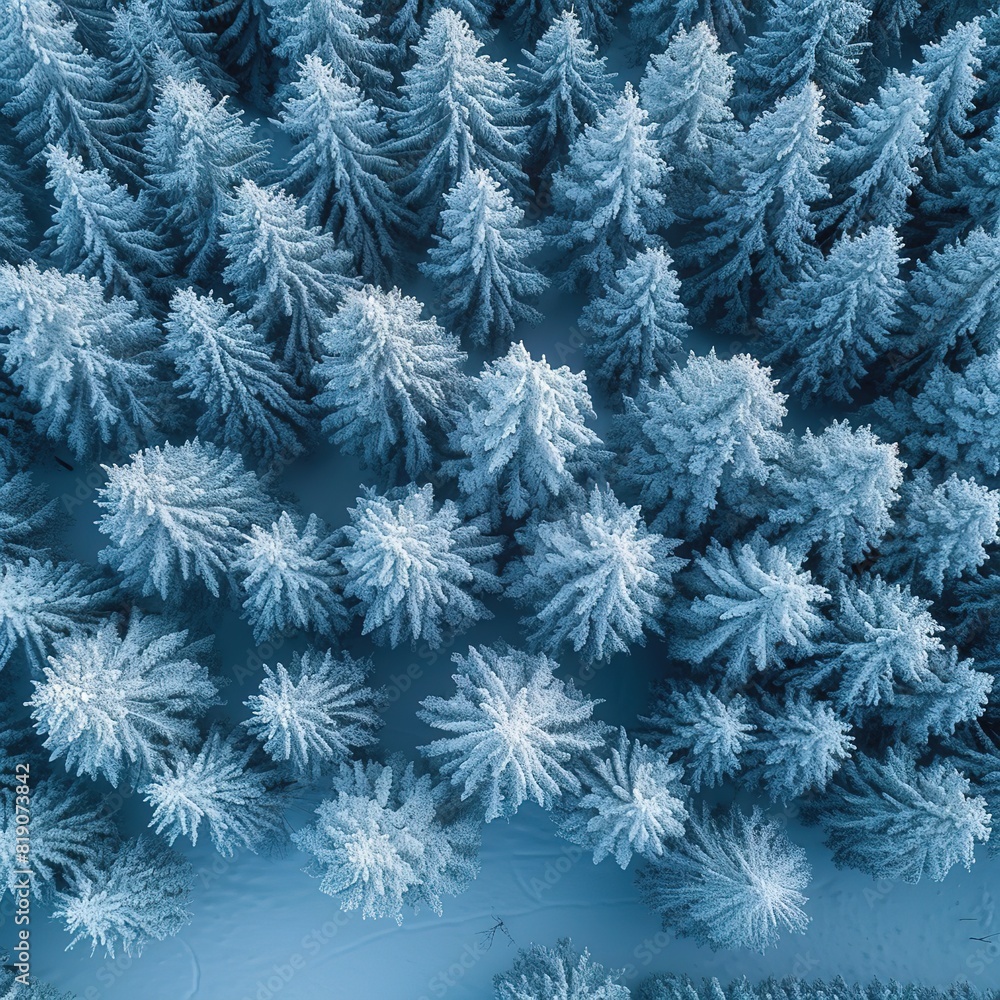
(564, 86)
(286, 275)
(874, 160)
(339, 165)
(479, 263)
(459, 112)
(841, 315)
(100, 230)
(804, 41)
(638, 323)
(762, 225)
(197, 151)
(608, 200)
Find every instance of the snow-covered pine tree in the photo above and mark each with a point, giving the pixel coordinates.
(839, 316)
(479, 261)
(339, 165)
(84, 362)
(92, 19)
(128, 896)
(637, 324)
(971, 197)
(28, 518)
(733, 883)
(754, 607)
(395, 820)
(216, 786)
(286, 275)
(197, 151)
(530, 17)
(948, 67)
(246, 38)
(57, 93)
(955, 424)
(176, 513)
(518, 730)
(711, 422)
(564, 86)
(801, 743)
(339, 33)
(881, 640)
(943, 531)
(118, 700)
(142, 57)
(686, 91)
(41, 602)
(244, 400)
(761, 222)
(390, 381)
(711, 737)
(314, 714)
(525, 436)
(894, 820)
(537, 968)
(873, 162)
(459, 111)
(608, 199)
(99, 230)
(290, 579)
(816, 41)
(182, 19)
(595, 579)
(632, 803)
(654, 23)
(71, 824)
(834, 490)
(952, 299)
(415, 569)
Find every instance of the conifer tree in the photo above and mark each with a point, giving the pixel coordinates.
(564, 86)
(948, 68)
(814, 41)
(952, 300)
(459, 112)
(339, 165)
(654, 23)
(638, 324)
(943, 532)
(291, 579)
(874, 160)
(711, 422)
(686, 91)
(338, 33)
(286, 275)
(101, 231)
(955, 421)
(763, 225)
(197, 151)
(841, 315)
(177, 513)
(245, 41)
(182, 20)
(524, 436)
(594, 16)
(244, 400)
(607, 198)
(83, 361)
(479, 261)
(62, 95)
(390, 381)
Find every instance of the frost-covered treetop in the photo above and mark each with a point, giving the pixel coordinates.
(525, 433)
(518, 730)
